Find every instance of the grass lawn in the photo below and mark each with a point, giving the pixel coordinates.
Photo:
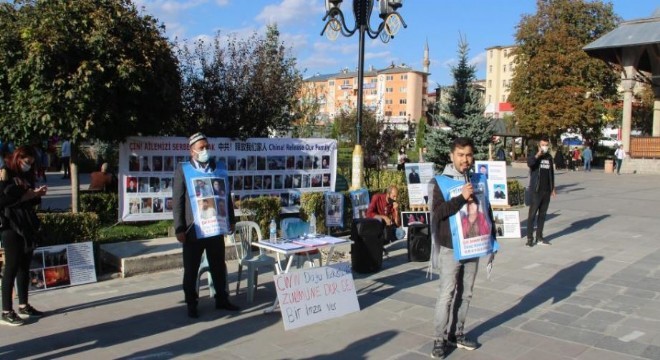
(134, 231)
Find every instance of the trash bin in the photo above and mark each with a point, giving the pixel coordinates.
(609, 166)
(368, 236)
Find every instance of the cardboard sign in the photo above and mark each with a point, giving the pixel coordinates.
(312, 295)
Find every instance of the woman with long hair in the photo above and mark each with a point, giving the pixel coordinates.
(20, 230)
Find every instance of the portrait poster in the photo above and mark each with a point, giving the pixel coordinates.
(470, 226)
(274, 167)
(418, 176)
(507, 224)
(414, 217)
(62, 265)
(208, 200)
(359, 203)
(495, 173)
(334, 209)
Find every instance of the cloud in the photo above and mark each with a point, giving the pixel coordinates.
(479, 60)
(168, 7)
(289, 11)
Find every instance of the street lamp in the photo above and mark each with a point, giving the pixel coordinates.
(390, 24)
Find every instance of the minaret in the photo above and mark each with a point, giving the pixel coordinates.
(427, 61)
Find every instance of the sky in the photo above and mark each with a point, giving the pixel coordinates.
(483, 23)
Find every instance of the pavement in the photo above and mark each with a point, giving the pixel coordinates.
(593, 294)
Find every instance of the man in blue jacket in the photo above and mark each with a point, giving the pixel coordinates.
(541, 188)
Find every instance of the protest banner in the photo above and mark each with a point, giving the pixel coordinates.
(507, 224)
(281, 167)
(418, 176)
(334, 209)
(495, 172)
(315, 294)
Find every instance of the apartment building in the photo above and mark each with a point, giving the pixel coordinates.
(396, 94)
(499, 73)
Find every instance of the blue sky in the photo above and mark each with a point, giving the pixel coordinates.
(484, 23)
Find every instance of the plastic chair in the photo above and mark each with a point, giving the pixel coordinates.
(246, 232)
(296, 227)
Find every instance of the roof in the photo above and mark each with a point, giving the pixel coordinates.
(392, 69)
(629, 34)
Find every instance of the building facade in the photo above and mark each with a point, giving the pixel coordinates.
(499, 74)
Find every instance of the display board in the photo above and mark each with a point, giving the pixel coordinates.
(315, 294)
(334, 209)
(495, 172)
(418, 176)
(507, 224)
(281, 167)
(62, 265)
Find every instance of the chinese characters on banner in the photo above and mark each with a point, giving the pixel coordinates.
(281, 167)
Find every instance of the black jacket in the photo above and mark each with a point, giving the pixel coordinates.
(534, 165)
(19, 216)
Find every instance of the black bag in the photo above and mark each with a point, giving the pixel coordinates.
(368, 236)
(419, 242)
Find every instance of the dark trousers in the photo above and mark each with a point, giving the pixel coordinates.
(618, 165)
(192, 257)
(17, 266)
(65, 165)
(539, 205)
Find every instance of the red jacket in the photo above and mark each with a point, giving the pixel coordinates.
(380, 206)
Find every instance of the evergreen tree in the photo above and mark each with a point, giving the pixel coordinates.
(463, 113)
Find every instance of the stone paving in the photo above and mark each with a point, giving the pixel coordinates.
(593, 294)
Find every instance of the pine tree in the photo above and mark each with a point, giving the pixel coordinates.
(463, 113)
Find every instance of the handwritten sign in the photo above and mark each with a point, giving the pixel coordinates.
(312, 295)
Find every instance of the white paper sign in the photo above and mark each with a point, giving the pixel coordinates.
(507, 224)
(418, 176)
(495, 172)
(62, 265)
(312, 295)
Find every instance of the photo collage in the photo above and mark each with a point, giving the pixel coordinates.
(153, 193)
(49, 268)
(210, 194)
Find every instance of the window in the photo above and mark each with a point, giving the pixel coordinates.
(504, 83)
(404, 77)
(489, 99)
(490, 83)
(389, 77)
(389, 90)
(374, 80)
(388, 101)
(388, 113)
(403, 90)
(504, 68)
(346, 82)
(491, 53)
(402, 113)
(503, 98)
(332, 83)
(490, 68)
(403, 101)
(504, 52)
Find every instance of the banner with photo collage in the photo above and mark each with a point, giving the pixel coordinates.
(281, 167)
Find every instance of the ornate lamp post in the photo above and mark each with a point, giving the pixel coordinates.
(390, 24)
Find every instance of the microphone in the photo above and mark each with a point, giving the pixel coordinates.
(468, 177)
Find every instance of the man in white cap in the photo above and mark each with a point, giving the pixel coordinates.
(185, 223)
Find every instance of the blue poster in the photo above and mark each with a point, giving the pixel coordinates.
(334, 209)
(360, 203)
(471, 226)
(207, 192)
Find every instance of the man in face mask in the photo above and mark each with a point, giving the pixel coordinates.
(194, 247)
(541, 187)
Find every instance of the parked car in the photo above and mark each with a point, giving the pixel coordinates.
(572, 141)
(608, 142)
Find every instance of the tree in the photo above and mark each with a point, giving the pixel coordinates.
(463, 113)
(557, 86)
(85, 69)
(238, 87)
(421, 133)
(306, 113)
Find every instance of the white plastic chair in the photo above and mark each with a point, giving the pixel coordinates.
(246, 232)
(295, 227)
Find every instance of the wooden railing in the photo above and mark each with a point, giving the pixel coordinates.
(645, 147)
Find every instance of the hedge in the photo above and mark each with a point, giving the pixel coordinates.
(105, 205)
(67, 227)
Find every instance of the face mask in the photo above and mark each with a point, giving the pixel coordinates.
(544, 149)
(202, 156)
(25, 167)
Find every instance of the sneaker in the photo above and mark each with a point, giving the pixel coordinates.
(464, 343)
(530, 243)
(439, 349)
(28, 311)
(10, 318)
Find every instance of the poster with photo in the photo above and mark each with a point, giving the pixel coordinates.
(418, 176)
(334, 209)
(62, 265)
(507, 224)
(495, 173)
(208, 199)
(279, 167)
(410, 217)
(359, 203)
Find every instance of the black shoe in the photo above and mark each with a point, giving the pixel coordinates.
(462, 342)
(439, 349)
(225, 304)
(530, 243)
(10, 318)
(29, 312)
(192, 311)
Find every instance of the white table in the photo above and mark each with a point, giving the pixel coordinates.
(290, 247)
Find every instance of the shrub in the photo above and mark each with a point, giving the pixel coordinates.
(103, 204)
(135, 231)
(516, 192)
(67, 227)
(262, 209)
